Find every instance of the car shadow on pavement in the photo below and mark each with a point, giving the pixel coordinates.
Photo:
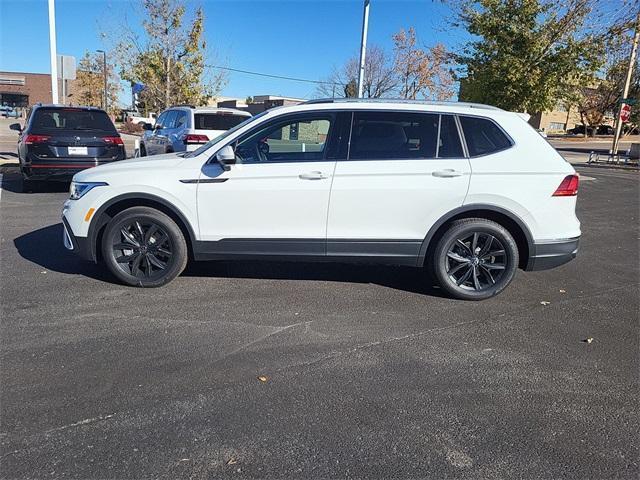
(13, 183)
(44, 247)
(408, 279)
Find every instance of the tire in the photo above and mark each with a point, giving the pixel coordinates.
(143, 151)
(469, 273)
(153, 252)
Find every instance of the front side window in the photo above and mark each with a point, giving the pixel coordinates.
(170, 119)
(483, 136)
(404, 135)
(299, 139)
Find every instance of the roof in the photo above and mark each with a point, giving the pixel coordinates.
(58, 105)
(213, 109)
(400, 101)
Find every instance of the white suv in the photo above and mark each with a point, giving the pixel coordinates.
(469, 190)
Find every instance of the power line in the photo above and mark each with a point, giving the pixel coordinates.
(281, 77)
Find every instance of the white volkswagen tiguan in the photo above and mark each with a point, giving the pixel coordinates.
(472, 192)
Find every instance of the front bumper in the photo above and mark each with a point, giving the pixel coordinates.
(78, 245)
(551, 254)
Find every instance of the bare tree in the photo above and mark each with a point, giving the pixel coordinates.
(421, 72)
(379, 77)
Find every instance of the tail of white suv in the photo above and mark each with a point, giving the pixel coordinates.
(469, 191)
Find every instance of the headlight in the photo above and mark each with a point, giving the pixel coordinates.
(78, 189)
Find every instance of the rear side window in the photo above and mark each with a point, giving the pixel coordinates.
(400, 135)
(51, 120)
(217, 121)
(483, 136)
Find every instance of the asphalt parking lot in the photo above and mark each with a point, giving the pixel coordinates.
(367, 371)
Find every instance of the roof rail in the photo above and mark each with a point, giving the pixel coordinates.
(400, 100)
(183, 105)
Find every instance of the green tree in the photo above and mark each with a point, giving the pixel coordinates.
(168, 57)
(88, 88)
(528, 54)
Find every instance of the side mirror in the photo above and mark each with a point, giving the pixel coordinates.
(16, 127)
(225, 157)
(157, 126)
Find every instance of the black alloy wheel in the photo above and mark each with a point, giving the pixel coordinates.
(144, 247)
(475, 259)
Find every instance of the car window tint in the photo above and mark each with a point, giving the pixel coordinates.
(295, 140)
(181, 119)
(217, 121)
(170, 119)
(449, 145)
(161, 118)
(58, 119)
(387, 135)
(483, 136)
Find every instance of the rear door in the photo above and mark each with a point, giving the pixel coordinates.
(404, 172)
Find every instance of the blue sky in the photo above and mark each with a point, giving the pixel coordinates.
(293, 38)
(297, 38)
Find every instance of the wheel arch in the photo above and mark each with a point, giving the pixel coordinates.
(117, 204)
(509, 220)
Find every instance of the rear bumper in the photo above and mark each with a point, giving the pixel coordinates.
(78, 245)
(61, 169)
(551, 254)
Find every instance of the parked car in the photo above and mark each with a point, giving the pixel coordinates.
(8, 112)
(185, 128)
(137, 119)
(579, 130)
(469, 191)
(605, 130)
(59, 141)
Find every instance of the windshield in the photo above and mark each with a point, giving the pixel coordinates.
(48, 120)
(210, 143)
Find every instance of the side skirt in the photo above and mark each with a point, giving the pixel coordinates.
(390, 252)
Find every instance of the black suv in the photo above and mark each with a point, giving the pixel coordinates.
(58, 141)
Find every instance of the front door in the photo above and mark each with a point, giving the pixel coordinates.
(405, 171)
(275, 199)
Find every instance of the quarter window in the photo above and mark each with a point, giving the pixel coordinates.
(294, 140)
(483, 136)
(389, 135)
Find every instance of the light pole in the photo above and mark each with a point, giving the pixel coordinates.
(363, 47)
(52, 48)
(104, 74)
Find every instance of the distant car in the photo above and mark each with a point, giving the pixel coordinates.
(542, 133)
(7, 112)
(59, 141)
(185, 128)
(605, 130)
(150, 119)
(579, 130)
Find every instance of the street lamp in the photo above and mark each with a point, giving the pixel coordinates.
(363, 47)
(104, 74)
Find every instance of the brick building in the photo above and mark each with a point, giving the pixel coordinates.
(23, 89)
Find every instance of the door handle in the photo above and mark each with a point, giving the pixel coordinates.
(448, 173)
(312, 176)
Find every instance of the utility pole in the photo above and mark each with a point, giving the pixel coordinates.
(363, 47)
(53, 53)
(627, 83)
(104, 74)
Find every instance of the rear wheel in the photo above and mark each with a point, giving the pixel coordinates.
(143, 151)
(475, 259)
(144, 247)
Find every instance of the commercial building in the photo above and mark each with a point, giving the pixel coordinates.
(23, 89)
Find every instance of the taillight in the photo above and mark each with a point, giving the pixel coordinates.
(31, 139)
(193, 138)
(113, 140)
(568, 187)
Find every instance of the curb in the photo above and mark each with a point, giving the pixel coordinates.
(612, 166)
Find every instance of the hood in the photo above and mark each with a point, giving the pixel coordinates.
(155, 162)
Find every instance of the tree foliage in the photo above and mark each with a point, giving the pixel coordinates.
(421, 72)
(168, 57)
(411, 72)
(89, 83)
(527, 54)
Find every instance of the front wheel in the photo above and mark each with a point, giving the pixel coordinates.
(144, 247)
(475, 259)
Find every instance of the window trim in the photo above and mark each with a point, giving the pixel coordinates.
(512, 143)
(413, 159)
(332, 115)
